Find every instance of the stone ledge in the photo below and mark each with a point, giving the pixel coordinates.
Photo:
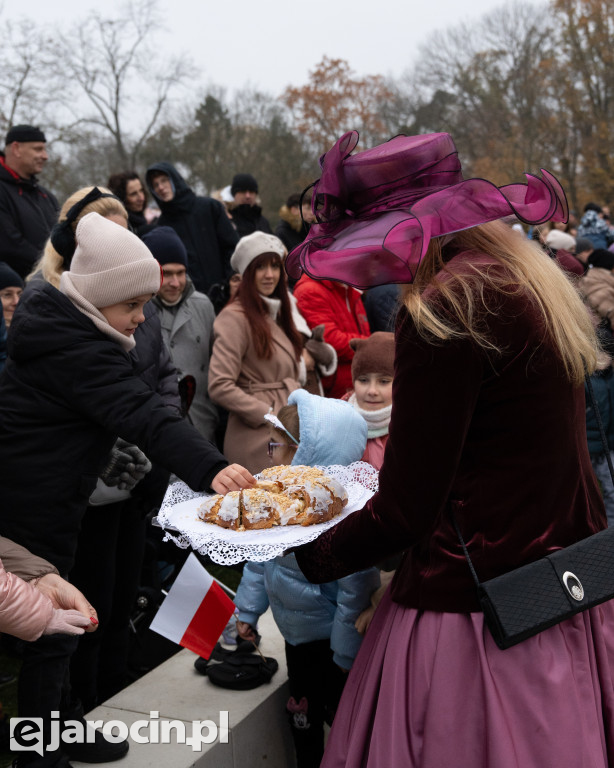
(258, 731)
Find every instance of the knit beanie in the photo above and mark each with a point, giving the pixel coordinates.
(166, 246)
(332, 432)
(24, 133)
(254, 245)
(373, 355)
(8, 277)
(243, 182)
(110, 265)
(584, 244)
(557, 240)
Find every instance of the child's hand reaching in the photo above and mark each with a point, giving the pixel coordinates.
(234, 477)
(245, 631)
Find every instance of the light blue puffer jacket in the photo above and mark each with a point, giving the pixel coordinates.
(332, 432)
(304, 611)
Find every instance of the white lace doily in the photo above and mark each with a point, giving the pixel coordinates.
(226, 547)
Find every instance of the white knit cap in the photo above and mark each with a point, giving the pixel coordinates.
(110, 263)
(254, 245)
(557, 239)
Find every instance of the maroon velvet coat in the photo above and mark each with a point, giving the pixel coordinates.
(500, 439)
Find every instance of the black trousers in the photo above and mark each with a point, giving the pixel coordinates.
(107, 570)
(43, 688)
(316, 684)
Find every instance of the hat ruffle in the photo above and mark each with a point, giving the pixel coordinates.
(377, 211)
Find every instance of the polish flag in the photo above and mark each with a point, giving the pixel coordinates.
(195, 611)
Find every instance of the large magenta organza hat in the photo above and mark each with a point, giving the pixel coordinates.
(376, 211)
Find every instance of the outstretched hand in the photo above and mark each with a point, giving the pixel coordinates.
(66, 596)
(234, 477)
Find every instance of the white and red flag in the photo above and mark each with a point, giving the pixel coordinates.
(195, 611)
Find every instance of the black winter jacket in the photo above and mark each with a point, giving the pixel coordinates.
(27, 214)
(67, 392)
(203, 226)
(248, 219)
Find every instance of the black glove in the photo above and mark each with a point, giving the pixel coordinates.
(321, 352)
(127, 465)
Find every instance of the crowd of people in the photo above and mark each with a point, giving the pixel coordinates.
(193, 340)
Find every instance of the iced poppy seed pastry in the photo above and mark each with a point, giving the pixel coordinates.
(222, 510)
(323, 497)
(259, 509)
(283, 495)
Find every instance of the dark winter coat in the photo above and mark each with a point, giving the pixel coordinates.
(603, 390)
(291, 230)
(248, 219)
(202, 225)
(27, 214)
(67, 392)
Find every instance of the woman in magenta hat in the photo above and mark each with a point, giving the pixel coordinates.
(487, 429)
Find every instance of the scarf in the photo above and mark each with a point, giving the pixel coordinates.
(377, 421)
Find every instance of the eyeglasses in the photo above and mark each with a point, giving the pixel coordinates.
(272, 446)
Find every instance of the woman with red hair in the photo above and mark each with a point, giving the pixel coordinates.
(257, 350)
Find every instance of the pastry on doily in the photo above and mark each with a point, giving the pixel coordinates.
(284, 495)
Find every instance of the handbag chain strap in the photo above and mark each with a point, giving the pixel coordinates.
(606, 449)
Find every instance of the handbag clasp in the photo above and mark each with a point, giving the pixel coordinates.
(573, 585)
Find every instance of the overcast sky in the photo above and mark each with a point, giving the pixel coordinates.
(271, 44)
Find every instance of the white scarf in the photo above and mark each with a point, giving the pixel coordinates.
(377, 421)
(273, 305)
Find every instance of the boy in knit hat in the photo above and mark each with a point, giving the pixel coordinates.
(67, 392)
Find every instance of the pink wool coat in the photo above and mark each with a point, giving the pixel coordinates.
(248, 386)
(24, 611)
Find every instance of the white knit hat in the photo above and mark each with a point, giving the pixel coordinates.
(110, 263)
(557, 239)
(254, 245)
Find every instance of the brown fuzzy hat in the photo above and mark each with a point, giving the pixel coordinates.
(373, 355)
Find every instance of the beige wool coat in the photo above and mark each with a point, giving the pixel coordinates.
(248, 386)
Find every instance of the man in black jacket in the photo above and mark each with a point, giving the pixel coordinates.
(27, 210)
(246, 213)
(200, 222)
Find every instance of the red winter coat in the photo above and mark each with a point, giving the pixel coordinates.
(341, 310)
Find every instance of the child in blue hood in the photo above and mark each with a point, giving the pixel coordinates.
(316, 620)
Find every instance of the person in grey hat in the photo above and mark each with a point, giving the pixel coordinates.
(27, 210)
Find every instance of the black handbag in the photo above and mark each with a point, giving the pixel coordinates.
(536, 596)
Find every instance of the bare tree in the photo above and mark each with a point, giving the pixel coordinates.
(25, 96)
(111, 68)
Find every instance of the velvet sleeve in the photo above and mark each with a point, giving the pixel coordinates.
(435, 391)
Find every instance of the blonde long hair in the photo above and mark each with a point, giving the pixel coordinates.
(527, 268)
(51, 263)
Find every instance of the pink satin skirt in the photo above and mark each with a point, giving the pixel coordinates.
(432, 690)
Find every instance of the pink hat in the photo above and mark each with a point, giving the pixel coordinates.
(376, 211)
